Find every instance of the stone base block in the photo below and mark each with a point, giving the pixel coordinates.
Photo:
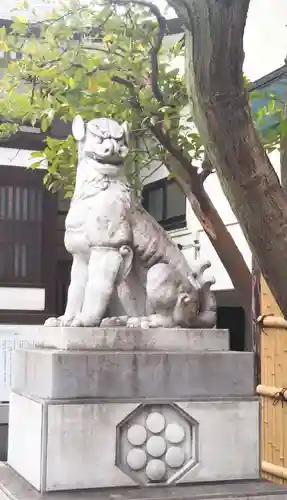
(68, 445)
(57, 374)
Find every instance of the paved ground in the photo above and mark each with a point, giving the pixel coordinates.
(17, 489)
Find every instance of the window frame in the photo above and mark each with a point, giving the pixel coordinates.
(20, 176)
(168, 223)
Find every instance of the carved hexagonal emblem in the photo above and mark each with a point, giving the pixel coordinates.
(157, 444)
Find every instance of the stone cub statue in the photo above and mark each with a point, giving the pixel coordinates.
(126, 270)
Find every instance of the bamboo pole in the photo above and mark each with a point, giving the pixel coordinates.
(274, 470)
(271, 321)
(271, 391)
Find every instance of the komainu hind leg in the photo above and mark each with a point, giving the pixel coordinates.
(174, 300)
(165, 290)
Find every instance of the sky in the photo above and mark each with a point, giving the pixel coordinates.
(265, 39)
(265, 36)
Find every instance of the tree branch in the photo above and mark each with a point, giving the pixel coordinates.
(207, 168)
(34, 85)
(174, 150)
(155, 50)
(156, 46)
(153, 171)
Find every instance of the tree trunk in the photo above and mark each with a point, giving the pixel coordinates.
(214, 57)
(283, 162)
(217, 233)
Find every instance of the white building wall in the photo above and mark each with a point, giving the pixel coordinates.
(17, 157)
(22, 299)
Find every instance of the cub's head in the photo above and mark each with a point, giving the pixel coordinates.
(102, 140)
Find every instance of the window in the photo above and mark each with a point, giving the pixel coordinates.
(21, 228)
(165, 201)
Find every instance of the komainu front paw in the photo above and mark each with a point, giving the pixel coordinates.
(138, 323)
(115, 321)
(85, 320)
(51, 322)
(60, 321)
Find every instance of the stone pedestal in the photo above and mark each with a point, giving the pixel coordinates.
(94, 408)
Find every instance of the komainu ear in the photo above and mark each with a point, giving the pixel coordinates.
(126, 130)
(78, 128)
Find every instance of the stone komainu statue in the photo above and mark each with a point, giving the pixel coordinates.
(126, 270)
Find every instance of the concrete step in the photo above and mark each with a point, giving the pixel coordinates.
(14, 487)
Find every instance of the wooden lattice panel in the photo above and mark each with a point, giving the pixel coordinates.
(273, 355)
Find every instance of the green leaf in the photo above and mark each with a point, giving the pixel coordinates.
(35, 164)
(36, 154)
(72, 83)
(21, 20)
(171, 176)
(68, 194)
(3, 32)
(3, 46)
(44, 124)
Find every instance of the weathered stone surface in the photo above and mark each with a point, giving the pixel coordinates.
(85, 436)
(175, 339)
(49, 374)
(25, 438)
(217, 433)
(85, 445)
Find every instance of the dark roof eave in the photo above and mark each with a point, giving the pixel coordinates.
(272, 77)
(174, 26)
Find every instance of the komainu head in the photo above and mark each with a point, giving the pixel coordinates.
(101, 139)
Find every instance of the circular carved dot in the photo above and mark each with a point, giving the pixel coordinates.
(137, 435)
(156, 446)
(136, 459)
(174, 457)
(155, 470)
(155, 422)
(175, 433)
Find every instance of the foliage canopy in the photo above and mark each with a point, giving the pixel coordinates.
(98, 60)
